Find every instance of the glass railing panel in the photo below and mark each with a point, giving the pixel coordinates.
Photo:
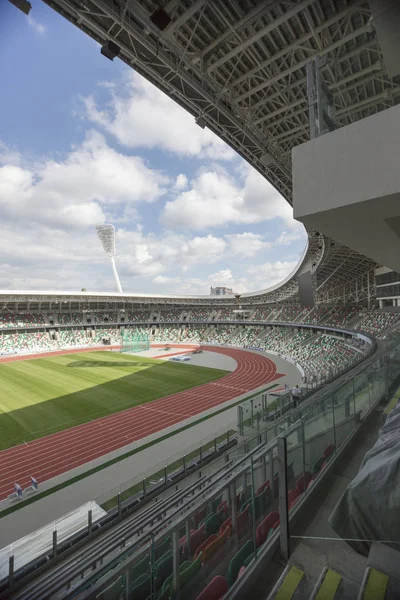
(361, 394)
(319, 438)
(377, 380)
(295, 463)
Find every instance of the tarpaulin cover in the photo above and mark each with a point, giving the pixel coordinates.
(370, 507)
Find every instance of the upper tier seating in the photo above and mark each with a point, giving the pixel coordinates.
(199, 314)
(377, 322)
(132, 316)
(13, 320)
(172, 314)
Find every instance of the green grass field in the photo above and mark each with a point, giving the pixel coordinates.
(45, 395)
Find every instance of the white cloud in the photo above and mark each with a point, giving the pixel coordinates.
(146, 117)
(162, 280)
(181, 182)
(215, 199)
(287, 237)
(36, 26)
(267, 274)
(74, 193)
(247, 244)
(151, 255)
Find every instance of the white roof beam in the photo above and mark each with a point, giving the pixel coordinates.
(354, 76)
(184, 17)
(302, 40)
(257, 12)
(385, 95)
(260, 34)
(301, 64)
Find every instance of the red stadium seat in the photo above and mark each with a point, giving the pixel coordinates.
(216, 589)
(329, 451)
(303, 482)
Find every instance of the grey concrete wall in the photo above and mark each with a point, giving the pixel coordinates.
(354, 164)
(347, 185)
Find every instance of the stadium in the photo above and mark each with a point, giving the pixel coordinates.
(239, 445)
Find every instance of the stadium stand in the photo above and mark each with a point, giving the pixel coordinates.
(112, 334)
(170, 315)
(104, 317)
(15, 320)
(137, 316)
(167, 334)
(70, 318)
(321, 357)
(25, 343)
(199, 314)
(67, 339)
(190, 334)
(378, 322)
(226, 314)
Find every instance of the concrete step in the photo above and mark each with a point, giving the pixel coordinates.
(374, 585)
(289, 586)
(327, 585)
(387, 560)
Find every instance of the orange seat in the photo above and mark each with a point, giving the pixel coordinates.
(215, 545)
(208, 541)
(264, 527)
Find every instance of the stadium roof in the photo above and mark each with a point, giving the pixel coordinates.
(239, 67)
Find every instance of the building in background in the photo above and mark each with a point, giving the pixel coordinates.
(221, 291)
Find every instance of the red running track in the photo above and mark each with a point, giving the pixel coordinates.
(54, 454)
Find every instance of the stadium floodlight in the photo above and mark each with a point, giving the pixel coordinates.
(106, 233)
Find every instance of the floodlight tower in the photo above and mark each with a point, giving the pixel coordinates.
(106, 233)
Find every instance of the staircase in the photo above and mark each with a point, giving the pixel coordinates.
(348, 576)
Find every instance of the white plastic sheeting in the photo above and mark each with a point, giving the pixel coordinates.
(41, 541)
(370, 507)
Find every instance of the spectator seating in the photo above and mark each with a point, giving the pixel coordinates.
(172, 314)
(166, 333)
(25, 343)
(377, 322)
(200, 314)
(15, 321)
(135, 316)
(215, 590)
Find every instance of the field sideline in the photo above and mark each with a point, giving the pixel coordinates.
(46, 395)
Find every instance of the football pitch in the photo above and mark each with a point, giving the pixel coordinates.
(45, 395)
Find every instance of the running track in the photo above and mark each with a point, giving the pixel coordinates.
(54, 454)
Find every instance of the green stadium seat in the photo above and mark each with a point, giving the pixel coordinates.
(141, 568)
(238, 561)
(115, 591)
(141, 588)
(213, 522)
(163, 568)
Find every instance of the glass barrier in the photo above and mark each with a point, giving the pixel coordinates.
(220, 532)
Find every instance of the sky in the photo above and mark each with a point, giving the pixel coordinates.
(84, 141)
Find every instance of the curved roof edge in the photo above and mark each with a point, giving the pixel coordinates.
(303, 263)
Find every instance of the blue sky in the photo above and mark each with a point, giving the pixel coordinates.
(85, 140)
